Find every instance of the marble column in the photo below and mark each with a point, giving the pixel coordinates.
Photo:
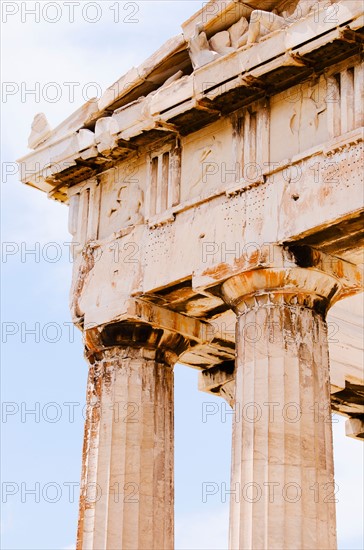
(127, 489)
(282, 481)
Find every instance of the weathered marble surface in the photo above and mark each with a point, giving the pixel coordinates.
(221, 177)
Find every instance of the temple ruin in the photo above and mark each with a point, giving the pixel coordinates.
(215, 200)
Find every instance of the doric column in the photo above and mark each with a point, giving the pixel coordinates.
(282, 482)
(127, 490)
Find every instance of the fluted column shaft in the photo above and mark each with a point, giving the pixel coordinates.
(282, 481)
(282, 462)
(127, 495)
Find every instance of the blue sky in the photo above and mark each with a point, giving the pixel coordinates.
(44, 370)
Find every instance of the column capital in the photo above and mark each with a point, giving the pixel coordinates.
(305, 277)
(150, 326)
(135, 340)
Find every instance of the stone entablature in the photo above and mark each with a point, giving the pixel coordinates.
(194, 100)
(201, 178)
(216, 188)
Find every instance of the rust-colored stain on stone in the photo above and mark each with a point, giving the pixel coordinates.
(189, 214)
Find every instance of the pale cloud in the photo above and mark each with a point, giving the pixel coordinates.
(348, 455)
(41, 219)
(203, 530)
(7, 520)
